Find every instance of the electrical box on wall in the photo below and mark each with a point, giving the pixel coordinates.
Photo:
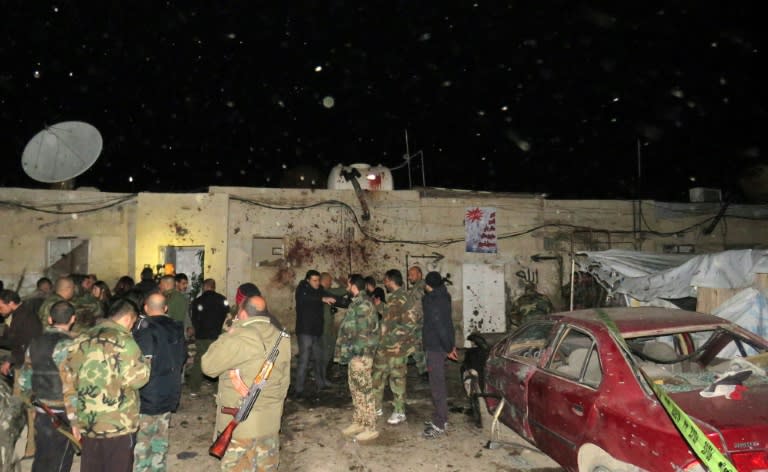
(703, 194)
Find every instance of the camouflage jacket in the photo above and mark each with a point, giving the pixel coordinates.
(398, 325)
(415, 296)
(531, 305)
(358, 332)
(240, 352)
(101, 376)
(88, 310)
(45, 308)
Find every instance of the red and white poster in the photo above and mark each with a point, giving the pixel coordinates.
(480, 227)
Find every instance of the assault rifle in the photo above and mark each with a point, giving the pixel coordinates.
(221, 444)
(60, 423)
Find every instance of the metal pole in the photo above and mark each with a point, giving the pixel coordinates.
(423, 175)
(408, 159)
(573, 273)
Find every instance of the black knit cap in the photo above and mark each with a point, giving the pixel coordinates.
(246, 290)
(434, 279)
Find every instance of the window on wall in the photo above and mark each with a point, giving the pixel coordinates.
(267, 251)
(67, 255)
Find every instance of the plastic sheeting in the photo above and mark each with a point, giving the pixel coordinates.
(647, 276)
(748, 309)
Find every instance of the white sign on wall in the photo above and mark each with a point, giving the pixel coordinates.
(484, 303)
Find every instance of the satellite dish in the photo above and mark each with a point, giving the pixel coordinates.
(62, 151)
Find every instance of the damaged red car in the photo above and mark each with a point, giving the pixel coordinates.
(565, 384)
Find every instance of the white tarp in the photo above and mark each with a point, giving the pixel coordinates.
(646, 276)
(748, 309)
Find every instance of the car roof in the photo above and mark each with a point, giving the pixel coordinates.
(644, 320)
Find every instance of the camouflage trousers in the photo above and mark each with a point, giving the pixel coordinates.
(361, 389)
(252, 455)
(12, 420)
(151, 448)
(29, 440)
(420, 358)
(390, 370)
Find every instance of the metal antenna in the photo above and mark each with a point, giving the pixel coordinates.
(423, 175)
(408, 159)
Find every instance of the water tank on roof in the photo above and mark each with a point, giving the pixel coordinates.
(371, 177)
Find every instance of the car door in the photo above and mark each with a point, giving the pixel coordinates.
(562, 395)
(511, 366)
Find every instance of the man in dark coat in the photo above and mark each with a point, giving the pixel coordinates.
(439, 342)
(25, 326)
(147, 283)
(161, 340)
(310, 298)
(207, 313)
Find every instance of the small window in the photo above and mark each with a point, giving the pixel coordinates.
(576, 357)
(530, 341)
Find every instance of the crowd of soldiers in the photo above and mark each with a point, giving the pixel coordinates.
(375, 339)
(100, 373)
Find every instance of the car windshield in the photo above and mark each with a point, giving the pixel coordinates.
(688, 361)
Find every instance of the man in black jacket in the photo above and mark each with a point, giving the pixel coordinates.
(309, 328)
(25, 326)
(439, 342)
(207, 313)
(161, 340)
(40, 378)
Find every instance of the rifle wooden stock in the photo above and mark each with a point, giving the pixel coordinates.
(221, 444)
(240, 414)
(60, 424)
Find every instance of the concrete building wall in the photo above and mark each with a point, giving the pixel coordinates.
(184, 220)
(273, 236)
(52, 214)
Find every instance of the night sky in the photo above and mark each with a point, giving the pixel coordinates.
(545, 97)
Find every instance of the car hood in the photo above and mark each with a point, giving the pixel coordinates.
(742, 423)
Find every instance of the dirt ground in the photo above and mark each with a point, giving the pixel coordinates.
(311, 440)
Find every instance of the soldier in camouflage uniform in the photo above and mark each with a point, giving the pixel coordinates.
(356, 344)
(398, 326)
(64, 290)
(88, 309)
(416, 293)
(530, 305)
(101, 376)
(12, 421)
(235, 358)
(328, 339)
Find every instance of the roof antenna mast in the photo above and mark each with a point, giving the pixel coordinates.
(408, 157)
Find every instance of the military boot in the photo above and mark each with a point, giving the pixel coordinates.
(353, 429)
(367, 435)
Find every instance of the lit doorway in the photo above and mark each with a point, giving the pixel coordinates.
(189, 260)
